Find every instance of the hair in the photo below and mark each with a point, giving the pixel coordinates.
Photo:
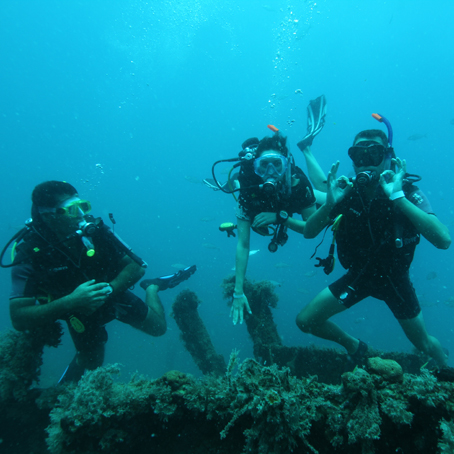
(49, 195)
(372, 134)
(276, 142)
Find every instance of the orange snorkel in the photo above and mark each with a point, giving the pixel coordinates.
(273, 128)
(382, 119)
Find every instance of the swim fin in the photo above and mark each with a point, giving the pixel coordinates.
(72, 373)
(316, 111)
(211, 184)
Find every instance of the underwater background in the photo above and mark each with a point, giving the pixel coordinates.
(132, 102)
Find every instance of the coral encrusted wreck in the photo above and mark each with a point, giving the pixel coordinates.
(301, 401)
(258, 410)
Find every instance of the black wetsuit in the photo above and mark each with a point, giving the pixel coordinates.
(366, 242)
(49, 273)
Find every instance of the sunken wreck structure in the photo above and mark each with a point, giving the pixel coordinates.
(285, 399)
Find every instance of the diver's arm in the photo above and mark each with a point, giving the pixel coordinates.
(26, 314)
(318, 221)
(321, 218)
(240, 302)
(128, 276)
(242, 254)
(299, 226)
(428, 225)
(314, 171)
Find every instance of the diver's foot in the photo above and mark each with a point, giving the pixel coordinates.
(358, 358)
(304, 144)
(432, 365)
(171, 281)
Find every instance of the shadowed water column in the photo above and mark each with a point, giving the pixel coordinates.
(194, 334)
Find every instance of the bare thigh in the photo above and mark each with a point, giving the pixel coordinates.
(320, 309)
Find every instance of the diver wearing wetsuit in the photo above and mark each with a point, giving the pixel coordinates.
(272, 190)
(382, 220)
(71, 267)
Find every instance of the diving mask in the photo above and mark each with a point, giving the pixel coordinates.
(73, 207)
(367, 153)
(271, 165)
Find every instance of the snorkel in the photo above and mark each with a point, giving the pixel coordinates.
(390, 150)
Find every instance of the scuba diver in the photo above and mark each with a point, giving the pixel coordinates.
(383, 216)
(70, 266)
(271, 190)
(316, 112)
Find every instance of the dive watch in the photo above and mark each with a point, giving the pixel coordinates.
(281, 217)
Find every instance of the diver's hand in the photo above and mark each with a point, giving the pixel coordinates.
(337, 187)
(264, 219)
(393, 182)
(89, 297)
(238, 306)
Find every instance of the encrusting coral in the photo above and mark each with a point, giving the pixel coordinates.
(302, 362)
(258, 410)
(389, 369)
(21, 359)
(247, 407)
(22, 420)
(194, 334)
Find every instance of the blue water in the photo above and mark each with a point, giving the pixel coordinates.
(132, 101)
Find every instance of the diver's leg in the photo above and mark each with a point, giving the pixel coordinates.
(314, 317)
(93, 358)
(314, 171)
(416, 332)
(90, 347)
(155, 321)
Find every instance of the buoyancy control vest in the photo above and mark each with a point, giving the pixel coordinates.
(367, 234)
(57, 272)
(254, 201)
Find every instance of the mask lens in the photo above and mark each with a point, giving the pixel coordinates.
(75, 209)
(270, 164)
(85, 206)
(365, 156)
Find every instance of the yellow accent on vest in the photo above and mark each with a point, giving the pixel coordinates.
(76, 324)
